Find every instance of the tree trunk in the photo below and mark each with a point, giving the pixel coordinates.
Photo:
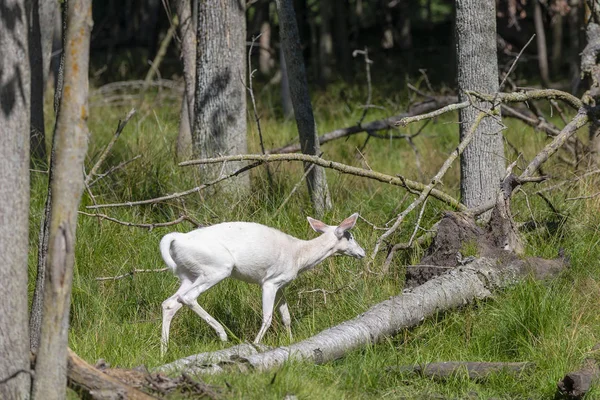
(591, 71)
(482, 163)
(540, 36)
(37, 304)
(220, 105)
(265, 56)
(557, 44)
(305, 120)
(187, 32)
(286, 97)
(342, 40)
(574, 40)
(67, 187)
(15, 378)
(325, 44)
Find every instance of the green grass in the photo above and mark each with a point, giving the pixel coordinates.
(553, 324)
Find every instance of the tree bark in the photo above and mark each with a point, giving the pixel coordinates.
(576, 384)
(220, 103)
(482, 163)
(326, 57)
(342, 40)
(187, 33)
(305, 120)
(67, 187)
(540, 36)
(476, 280)
(15, 378)
(286, 97)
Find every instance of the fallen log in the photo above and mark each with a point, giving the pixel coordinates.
(91, 383)
(476, 280)
(474, 370)
(576, 384)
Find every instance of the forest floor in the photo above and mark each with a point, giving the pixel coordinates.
(553, 324)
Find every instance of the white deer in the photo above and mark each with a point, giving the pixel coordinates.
(252, 253)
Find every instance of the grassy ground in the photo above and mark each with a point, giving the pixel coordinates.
(552, 324)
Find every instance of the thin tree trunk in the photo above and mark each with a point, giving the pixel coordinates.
(187, 33)
(286, 97)
(305, 120)
(37, 304)
(67, 187)
(15, 378)
(540, 35)
(265, 56)
(482, 163)
(574, 40)
(326, 56)
(557, 44)
(220, 105)
(342, 40)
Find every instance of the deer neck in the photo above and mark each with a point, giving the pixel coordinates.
(312, 252)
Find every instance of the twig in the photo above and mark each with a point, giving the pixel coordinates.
(131, 273)
(347, 169)
(294, 189)
(160, 54)
(368, 63)
(150, 227)
(451, 107)
(109, 146)
(427, 190)
(514, 63)
(177, 195)
(113, 169)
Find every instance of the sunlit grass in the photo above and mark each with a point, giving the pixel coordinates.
(552, 324)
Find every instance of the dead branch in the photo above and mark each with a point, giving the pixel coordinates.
(378, 125)
(428, 189)
(474, 370)
(536, 94)
(451, 107)
(131, 273)
(113, 169)
(176, 195)
(368, 62)
(398, 180)
(109, 146)
(150, 227)
(93, 383)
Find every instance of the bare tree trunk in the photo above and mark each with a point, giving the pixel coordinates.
(305, 120)
(325, 44)
(265, 56)
(482, 163)
(342, 40)
(286, 97)
(187, 32)
(557, 43)
(540, 35)
(574, 48)
(220, 105)
(15, 378)
(37, 304)
(591, 71)
(67, 187)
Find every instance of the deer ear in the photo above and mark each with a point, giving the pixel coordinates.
(317, 225)
(346, 224)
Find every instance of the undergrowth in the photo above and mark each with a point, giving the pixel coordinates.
(552, 324)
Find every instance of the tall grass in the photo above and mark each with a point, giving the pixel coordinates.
(552, 324)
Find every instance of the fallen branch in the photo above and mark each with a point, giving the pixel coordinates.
(175, 195)
(347, 169)
(464, 284)
(93, 383)
(473, 370)
(536, 94)
(382, 124)
(150, 227)
(131, 273)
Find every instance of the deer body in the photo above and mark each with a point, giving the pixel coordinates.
(249, 252)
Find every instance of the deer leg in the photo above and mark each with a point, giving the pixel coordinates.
(282, 305)
(170, 307)
(269, 292)
(189, 298)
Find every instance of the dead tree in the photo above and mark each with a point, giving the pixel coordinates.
(67, 187)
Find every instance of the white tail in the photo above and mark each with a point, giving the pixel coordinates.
(250, 252)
